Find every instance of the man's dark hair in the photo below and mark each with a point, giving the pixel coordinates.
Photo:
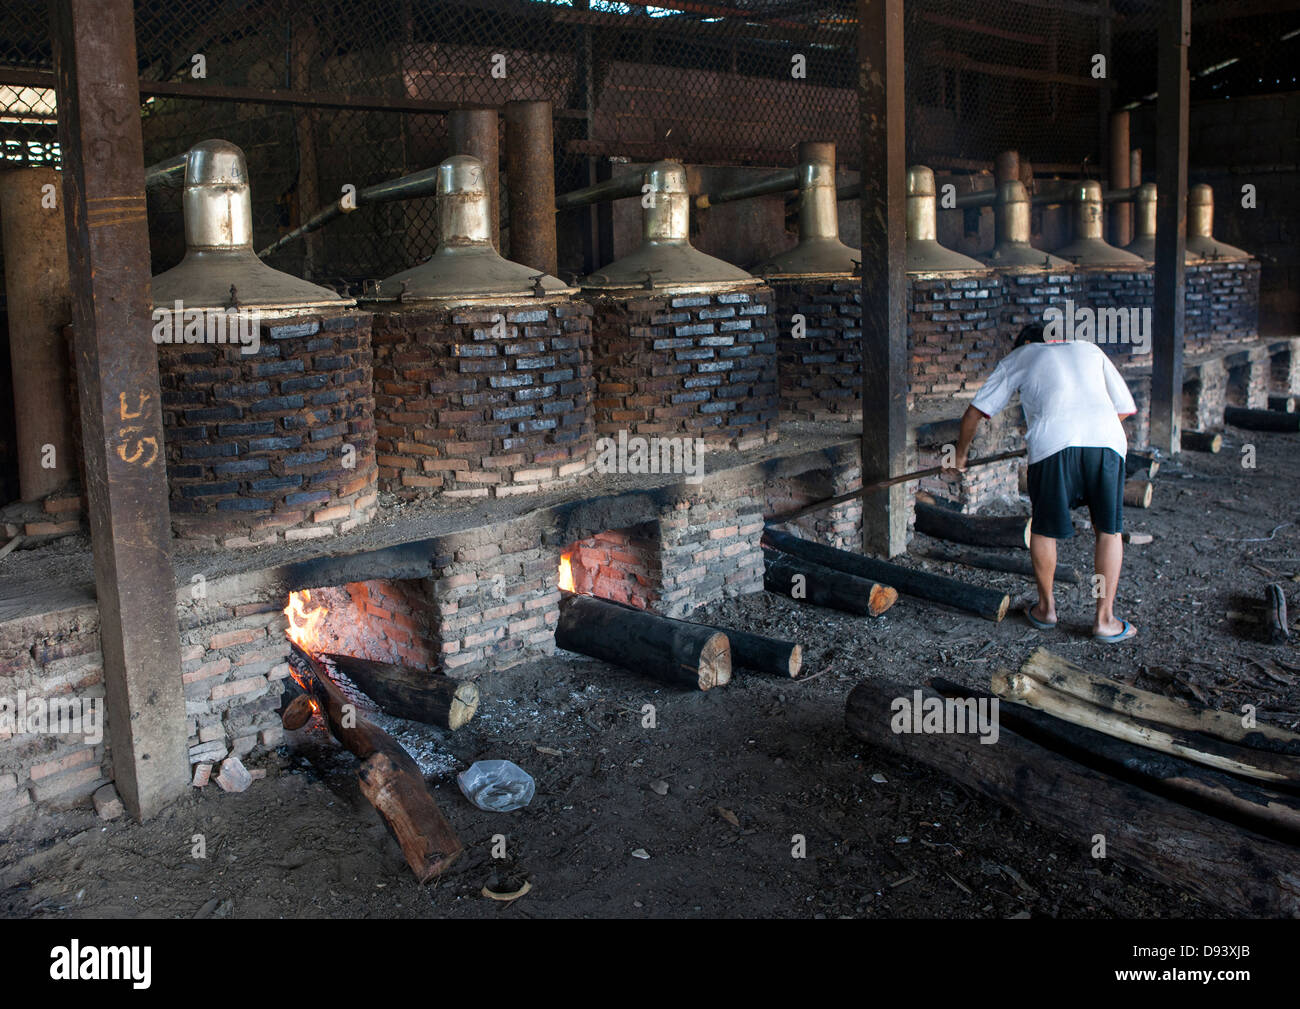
(1030, 334)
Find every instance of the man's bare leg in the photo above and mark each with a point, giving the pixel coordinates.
(1108, 558)
(1042, 552)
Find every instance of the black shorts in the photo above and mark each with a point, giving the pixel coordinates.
(1074, 477)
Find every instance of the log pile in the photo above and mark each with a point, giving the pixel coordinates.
(1262, 420)
(919, 584)
(672, 651)
(1188, 795)
(1234, 867)
(1201, 441)
(973, 530)
(807, 580)
(390, 780)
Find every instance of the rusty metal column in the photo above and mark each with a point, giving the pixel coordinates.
(530, 179)
(1171, 218)
(36, 281)
(1006, 168)
(117, 375)
(475, 132)
(884, 314)
(1121, 211)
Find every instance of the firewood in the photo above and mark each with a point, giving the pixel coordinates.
(297, 712)
(1016, 564)
(983, 602)
(1262, 420)
(1272, 813)
(1067, 678)
(1282, 404)
(672, 651)
(408, 693)
(1258, 764)
(1141, 464)
(1275, 614)
(1201, 441)
(759, 652)
(1139, 539)
(973, 530)
(1137, 493)
(390, 780)
(1230, 868)
(815, 583)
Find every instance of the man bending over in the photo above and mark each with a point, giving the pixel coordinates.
(1074, 400)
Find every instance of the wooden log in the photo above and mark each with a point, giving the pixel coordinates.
(973, 530)
(808, 581)
(1137, 493)
(1260, 765)
(1138, 539)
(1141, 464)
(1016, 564)
(1275, 614)
(1262, 420)
(408, 693)
(761, 653)
(1271, 813)
(671, 651)
(297, 712)
(987, 603)
(1065, 677)
(1201, 441)
(1230, 868)
(390, 780)
(1282, 404)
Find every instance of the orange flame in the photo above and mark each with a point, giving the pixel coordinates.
(304, 631)
(566, 573)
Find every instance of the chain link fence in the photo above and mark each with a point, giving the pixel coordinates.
(320, 95)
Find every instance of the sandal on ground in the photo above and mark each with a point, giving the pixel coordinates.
(1042, 625)
(1126, 631)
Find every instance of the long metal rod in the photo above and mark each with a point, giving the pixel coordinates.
(169, 173)
(617, 188)
(777, 183)
(415, 186)
(880, 485)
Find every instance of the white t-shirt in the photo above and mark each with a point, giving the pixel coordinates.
(1071, 393)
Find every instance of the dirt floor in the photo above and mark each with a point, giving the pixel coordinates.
(696, 816)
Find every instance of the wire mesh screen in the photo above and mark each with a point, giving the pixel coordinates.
(353, 92)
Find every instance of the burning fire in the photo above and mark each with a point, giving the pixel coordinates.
(304, 624)
(566, 573)
(304, 631)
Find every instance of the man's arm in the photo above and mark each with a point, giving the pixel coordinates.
(970, 422)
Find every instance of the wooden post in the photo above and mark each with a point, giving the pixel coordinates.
(884, 315)
(117, 378)
(36, 282)
(530, 178)
(1121, 211)
(1171, 218)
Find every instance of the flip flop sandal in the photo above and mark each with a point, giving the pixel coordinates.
(1042, 625)
(1126, 632)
